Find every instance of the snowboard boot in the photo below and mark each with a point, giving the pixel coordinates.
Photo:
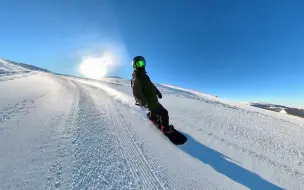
(156, 121)
(149, 117)
(167, 130)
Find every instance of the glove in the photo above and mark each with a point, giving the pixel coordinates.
(159, 95)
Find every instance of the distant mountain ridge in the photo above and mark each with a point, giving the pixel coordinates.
(279, 108)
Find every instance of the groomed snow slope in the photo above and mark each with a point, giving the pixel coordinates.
(61, 132)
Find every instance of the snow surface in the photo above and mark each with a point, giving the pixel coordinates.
(61, 132)
(283, 111)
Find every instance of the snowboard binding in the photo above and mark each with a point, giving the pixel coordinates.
(166, 130)
(173, 135)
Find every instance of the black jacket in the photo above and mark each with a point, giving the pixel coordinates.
(144, 91)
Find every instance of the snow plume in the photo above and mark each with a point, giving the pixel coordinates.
(97, 67)
(125, 99)
(117, 95)
(101, 59)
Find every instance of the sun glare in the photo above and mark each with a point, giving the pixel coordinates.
(96, 67)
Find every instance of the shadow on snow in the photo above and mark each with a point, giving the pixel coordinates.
(221, 163)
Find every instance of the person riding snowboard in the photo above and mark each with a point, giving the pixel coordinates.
(146, 95)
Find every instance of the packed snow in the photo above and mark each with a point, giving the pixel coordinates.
(63, 132)
(283, 111)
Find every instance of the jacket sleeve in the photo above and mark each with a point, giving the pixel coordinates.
(157, 91)
(138, 93)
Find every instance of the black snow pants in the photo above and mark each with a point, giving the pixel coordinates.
(160, 114)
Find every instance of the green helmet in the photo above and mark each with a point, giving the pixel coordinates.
(138, 62)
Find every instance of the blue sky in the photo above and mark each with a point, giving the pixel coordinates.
(238, 50)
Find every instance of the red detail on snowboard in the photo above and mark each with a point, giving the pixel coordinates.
(174, 136)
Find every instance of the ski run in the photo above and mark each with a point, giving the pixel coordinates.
(63, 132)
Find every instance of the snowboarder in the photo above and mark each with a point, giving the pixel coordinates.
(146, 95)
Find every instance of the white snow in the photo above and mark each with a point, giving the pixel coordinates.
(283, 111)
(191, 91)
(60, 132)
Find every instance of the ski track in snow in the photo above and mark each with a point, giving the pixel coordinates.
(153, 174)
(86, 163)
(238, 137)
(24, 136)
(69, 133)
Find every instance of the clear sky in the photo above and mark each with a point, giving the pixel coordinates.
(239, 50)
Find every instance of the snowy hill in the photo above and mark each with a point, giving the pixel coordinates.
(17, 66)
(10, 69)
(62, 132)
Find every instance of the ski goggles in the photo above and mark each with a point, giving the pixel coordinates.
(139, 64)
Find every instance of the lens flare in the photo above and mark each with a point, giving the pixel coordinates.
(96, 67)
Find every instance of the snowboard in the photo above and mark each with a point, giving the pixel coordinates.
(175, 136)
